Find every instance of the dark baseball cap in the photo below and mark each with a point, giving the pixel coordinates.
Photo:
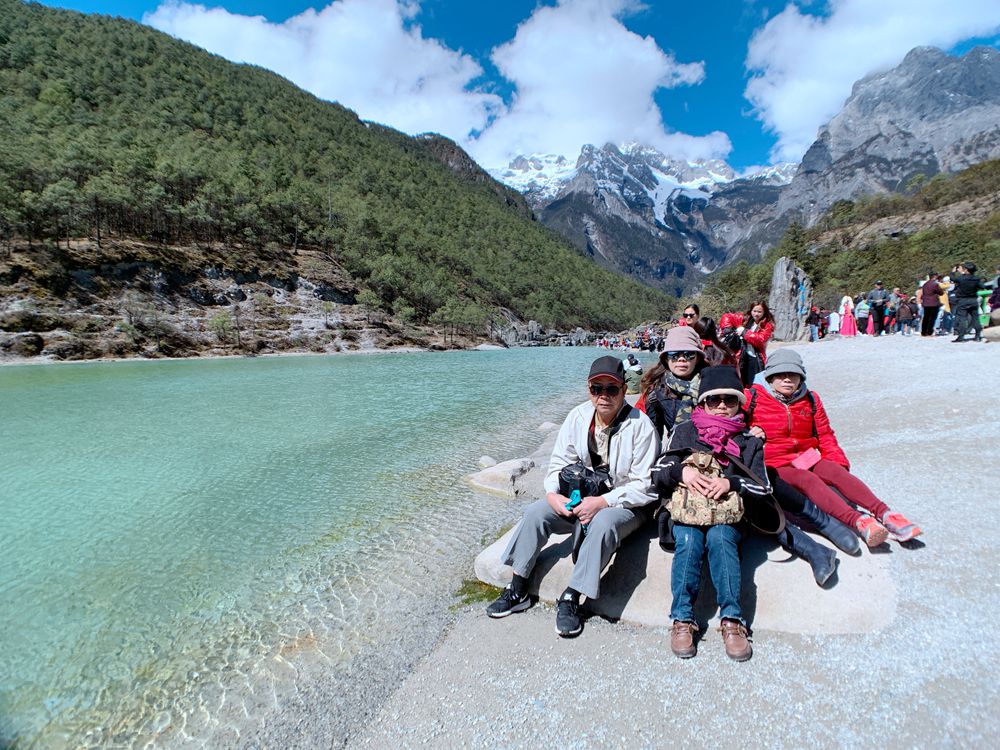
(607, 367)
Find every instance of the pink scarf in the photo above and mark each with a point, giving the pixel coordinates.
(717, 432)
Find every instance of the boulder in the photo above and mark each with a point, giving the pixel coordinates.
(779, 592)
(501, 479)
(26, 345)
(790, 300)
(486, 462)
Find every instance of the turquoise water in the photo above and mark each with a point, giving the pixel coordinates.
(171, 530)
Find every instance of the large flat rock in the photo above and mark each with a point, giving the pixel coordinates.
(779, 592)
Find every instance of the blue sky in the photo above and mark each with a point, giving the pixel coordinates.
(745, 80)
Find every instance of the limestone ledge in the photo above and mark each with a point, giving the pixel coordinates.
(779, 592)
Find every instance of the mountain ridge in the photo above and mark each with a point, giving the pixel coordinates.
(930, 114)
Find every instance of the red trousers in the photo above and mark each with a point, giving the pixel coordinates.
(816, 484)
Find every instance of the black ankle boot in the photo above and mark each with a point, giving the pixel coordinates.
(840, 534)
(822, 560)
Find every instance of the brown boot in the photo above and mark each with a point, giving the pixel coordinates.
(734, 636)
(682, 639)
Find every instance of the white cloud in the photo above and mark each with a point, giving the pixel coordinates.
(804, 66)
(582, 77)
(365, 54)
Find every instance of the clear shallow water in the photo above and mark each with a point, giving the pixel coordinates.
(174, 532)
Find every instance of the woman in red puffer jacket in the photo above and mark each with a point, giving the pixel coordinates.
(802, 447)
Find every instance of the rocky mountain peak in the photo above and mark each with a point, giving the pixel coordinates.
(931, 113)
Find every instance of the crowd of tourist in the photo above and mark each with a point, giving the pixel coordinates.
(941, 304)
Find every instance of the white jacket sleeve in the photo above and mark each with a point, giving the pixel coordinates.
(565, 451)
(634, 483)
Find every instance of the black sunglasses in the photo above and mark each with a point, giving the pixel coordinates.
(729, 400)
(689, 315)
(687, 356)
(600, 390)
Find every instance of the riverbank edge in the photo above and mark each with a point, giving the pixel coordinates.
(13, 361)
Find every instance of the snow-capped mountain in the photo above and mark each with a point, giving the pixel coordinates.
(637, 210)
(667, 222)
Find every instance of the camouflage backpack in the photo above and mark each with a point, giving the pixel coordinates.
(690, 507)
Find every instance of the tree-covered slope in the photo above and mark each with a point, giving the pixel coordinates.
(112, 130)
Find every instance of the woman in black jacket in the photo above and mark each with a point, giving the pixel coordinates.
(716, 429)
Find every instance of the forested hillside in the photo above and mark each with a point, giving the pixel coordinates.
(164, 155)
(898, 238)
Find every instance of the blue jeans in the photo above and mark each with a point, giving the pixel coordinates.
(723, 544)
(813, 332)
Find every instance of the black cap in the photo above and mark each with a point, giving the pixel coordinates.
(878, 283)
(969, 266)
(608, 366)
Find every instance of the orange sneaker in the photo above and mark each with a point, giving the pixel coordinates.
(871, 531)
(901, 529)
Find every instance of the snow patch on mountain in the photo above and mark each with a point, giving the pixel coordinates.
(630, 170)
(539, 176)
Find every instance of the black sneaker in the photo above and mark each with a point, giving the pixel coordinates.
(508, 603)
(568, 621)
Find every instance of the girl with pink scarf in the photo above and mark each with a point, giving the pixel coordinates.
(717, 427)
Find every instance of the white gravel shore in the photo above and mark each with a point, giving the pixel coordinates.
(918, 418)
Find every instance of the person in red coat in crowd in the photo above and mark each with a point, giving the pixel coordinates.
(801, 445)
(752, 332)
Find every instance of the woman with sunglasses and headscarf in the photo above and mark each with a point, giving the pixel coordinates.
(670, 387)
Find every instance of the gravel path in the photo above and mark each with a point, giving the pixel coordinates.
(915, 417)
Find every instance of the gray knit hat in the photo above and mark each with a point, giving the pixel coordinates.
(784, 360)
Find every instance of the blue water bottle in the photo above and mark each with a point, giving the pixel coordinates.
(574, 499)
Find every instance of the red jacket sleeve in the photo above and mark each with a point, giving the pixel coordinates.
(828, 445)
(758, 339)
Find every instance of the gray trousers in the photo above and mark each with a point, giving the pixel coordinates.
(604, 533)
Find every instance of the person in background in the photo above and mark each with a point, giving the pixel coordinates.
(878, 300)
(689, 316)
(604, 432)
(812, 320)
(945, 318)
(803, 448)
(930, 300)
(861, 313)
(904, 315)
(892, 324)
(848, 325)
(670, 387)
(633, 374)
(756, 331)
(967, 286)
(715, 351)
(716, 427)
(833, 322)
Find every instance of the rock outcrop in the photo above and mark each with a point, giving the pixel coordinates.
(790, 300)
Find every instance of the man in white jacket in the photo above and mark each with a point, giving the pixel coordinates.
(603, 433)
